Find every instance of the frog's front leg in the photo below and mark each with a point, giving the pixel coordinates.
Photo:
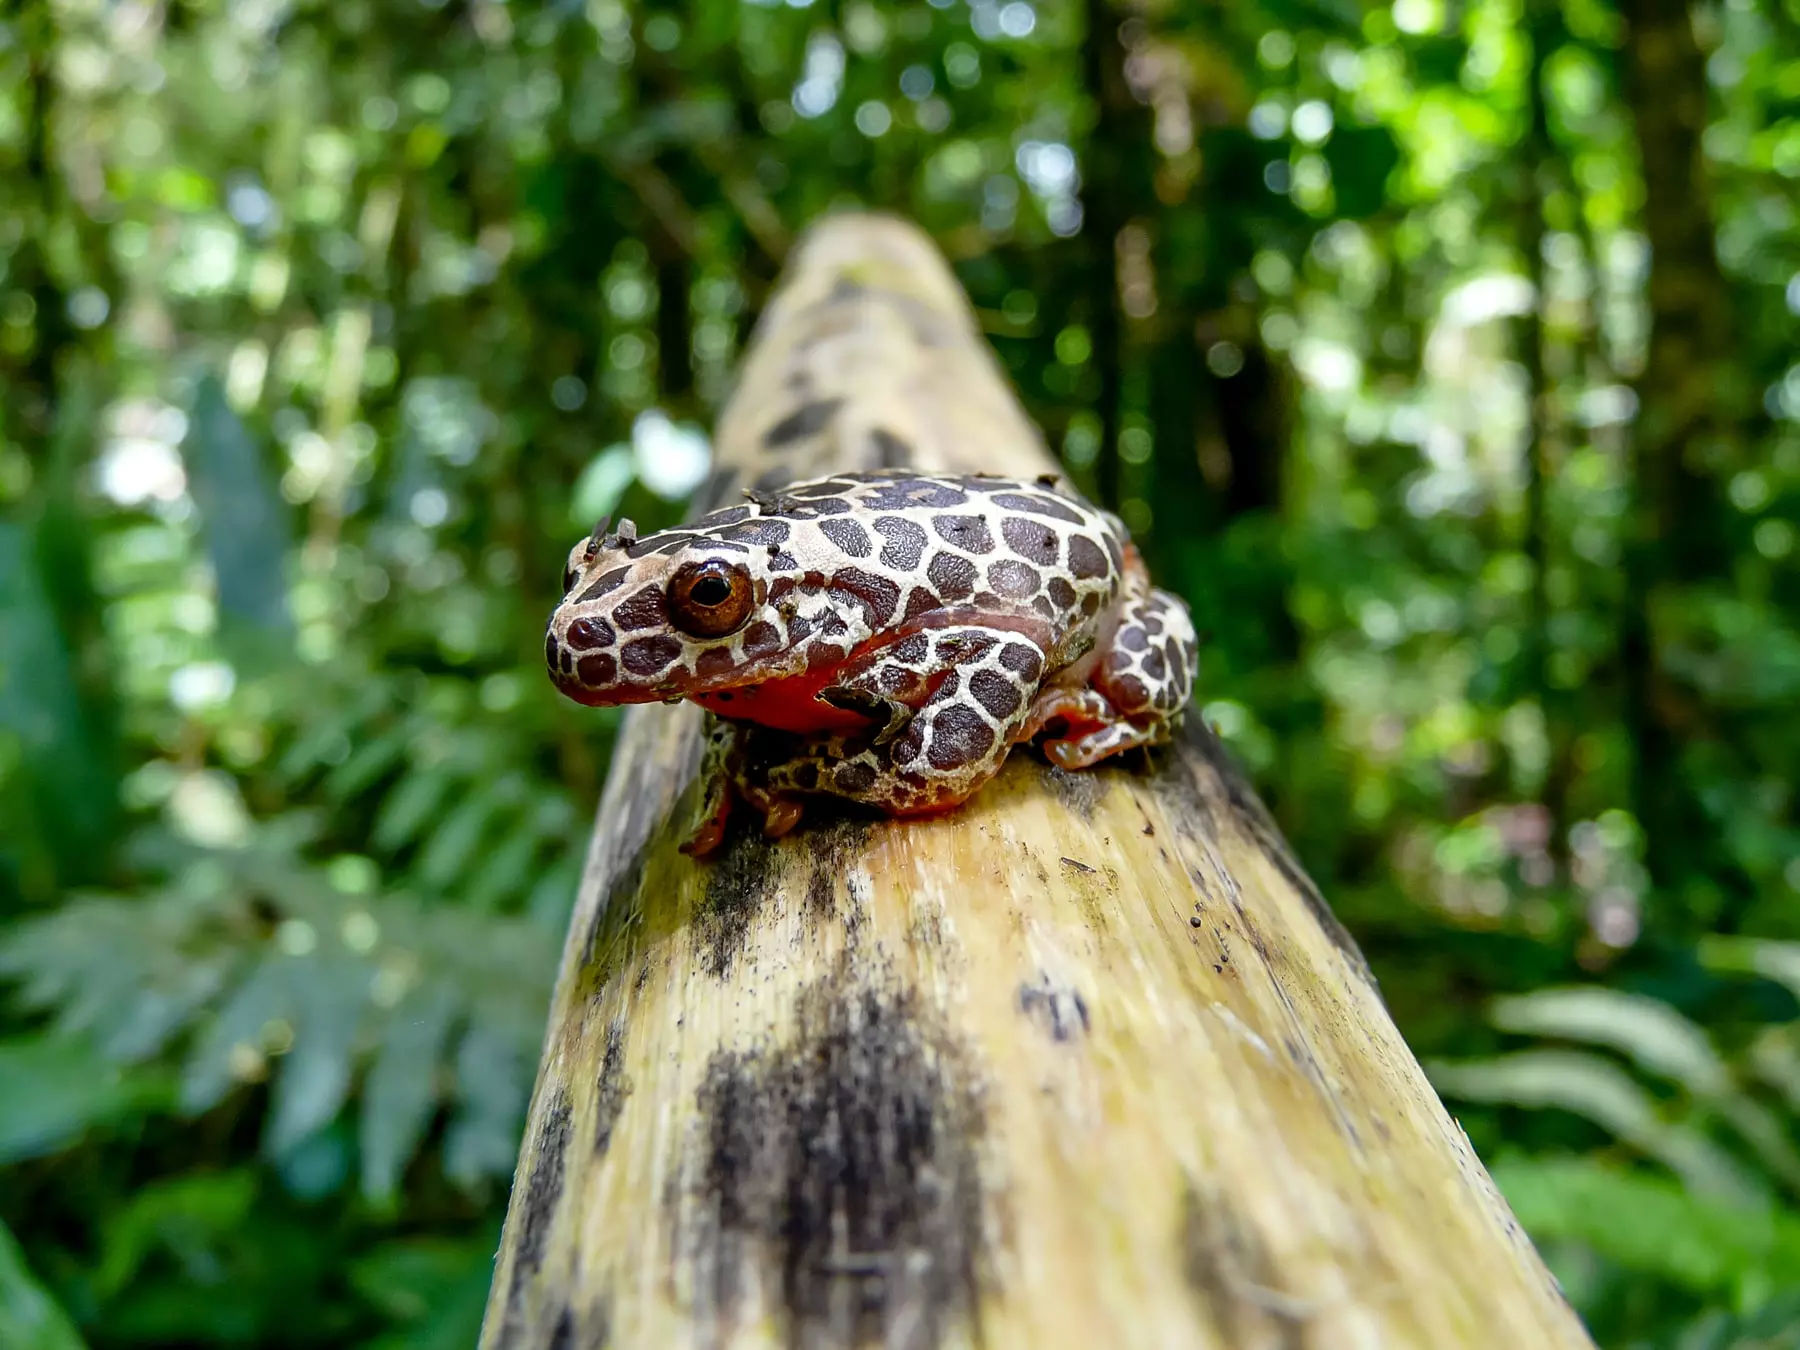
(1138, 692)
(729, 774)
(954, 700)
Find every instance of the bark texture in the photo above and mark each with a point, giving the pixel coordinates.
(1088, 1062)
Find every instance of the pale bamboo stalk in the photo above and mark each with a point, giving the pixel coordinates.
(1088, 1062)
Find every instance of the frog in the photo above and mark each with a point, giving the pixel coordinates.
(886, 637)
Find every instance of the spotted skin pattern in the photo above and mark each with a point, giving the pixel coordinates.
(888, 638)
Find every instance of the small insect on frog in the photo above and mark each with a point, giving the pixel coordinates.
(885, 637)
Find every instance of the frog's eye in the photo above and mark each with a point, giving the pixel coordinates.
(709, 599)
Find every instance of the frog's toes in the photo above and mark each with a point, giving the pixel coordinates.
(1083, 752)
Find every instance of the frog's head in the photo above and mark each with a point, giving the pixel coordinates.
(671, 615)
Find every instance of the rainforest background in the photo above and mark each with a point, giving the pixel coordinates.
(1441, 352)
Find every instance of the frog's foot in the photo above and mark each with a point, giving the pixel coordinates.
(1081, 752)
(1148, 673)
(718, 763)
(780, 811)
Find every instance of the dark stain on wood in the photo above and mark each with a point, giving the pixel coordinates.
(737, 885)
(543, 1190)
(844, 1164)
(614, 1087)
(1080, 791)
(833, 846)
(809, 419)
(714, 491)
(1234, 1277)
(1059, 1009)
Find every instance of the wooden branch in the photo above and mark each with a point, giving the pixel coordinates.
(1088, 1062)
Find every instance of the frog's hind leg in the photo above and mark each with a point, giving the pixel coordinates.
(1139, 689)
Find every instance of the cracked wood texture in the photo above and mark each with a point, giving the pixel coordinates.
(1086, 1062)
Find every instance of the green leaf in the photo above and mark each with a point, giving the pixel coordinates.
(1651, 1226)
(1652, 1033)
(67, 806)
(1598, 1090)
(30, 1319)
(314, 1081)
(245, 520)
(401, 1094)
(57, 1088)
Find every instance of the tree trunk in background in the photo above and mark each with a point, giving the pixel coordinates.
(1681, 423)
(1116, 142)
(1086, 1062)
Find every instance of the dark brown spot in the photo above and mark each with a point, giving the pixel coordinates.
(647, 655)
(761, 532)
(969, 533)
(1132, 693)
(604, 585)
(598, 670)
(718, 520)
(847, 537)
(1154, 666)
(913, 649)
(1038, 506)
(954, 577)
(568, 663)
(1090, 603)
(551, 651)
(853, 779)
(920, 603)
(783, 562)
(878, 596)
(904, 492)
(1044, 605)
(996, 693)
(825, 487)
(1031, 540)
(1024, 661)
(959, 736)
(1062, 595)
(824, 506)
(646, 609)
(1086, 560)
(761, 638)
(585, 634)
(1115, 552)
(807, 420)
(1177, 663)
(1153, 624)
(890, 452)
(800, 627)
(908, 743)
(1013, 580)
(1133, 639)
(949, 686)
(713, 662)
(780, 587)
(904, 542)
(825, 655)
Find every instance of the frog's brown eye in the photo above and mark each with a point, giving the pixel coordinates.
(709, 599)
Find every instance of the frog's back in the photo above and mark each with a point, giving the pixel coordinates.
(934, 544)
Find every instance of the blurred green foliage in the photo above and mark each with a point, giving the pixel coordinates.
(1442, 354)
